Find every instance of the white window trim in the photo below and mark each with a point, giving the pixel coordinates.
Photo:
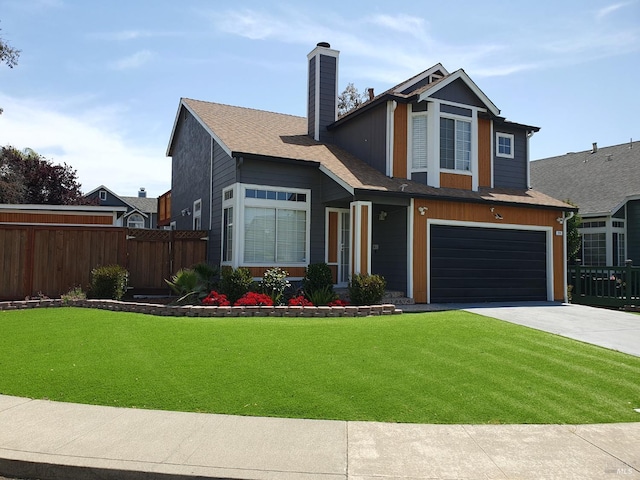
(132, 216)
(473, 153)
(239, 202)
(509, 136)
(410, 167)
(103, 195)
(197, 213)
(608, 229)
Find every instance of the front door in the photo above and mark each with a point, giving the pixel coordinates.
(338, 244)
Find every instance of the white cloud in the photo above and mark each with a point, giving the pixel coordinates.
(608, 10)
(132, 61)
(89, 141)
(400, 44)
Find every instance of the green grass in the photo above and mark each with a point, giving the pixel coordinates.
(449, 367)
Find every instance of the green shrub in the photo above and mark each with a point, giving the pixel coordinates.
(209, 277)
(109, 281)
(317, 277)
(322, 296)
(366, 289)
(235, 283)
(274, 282)
(75, 293)
(191, 285)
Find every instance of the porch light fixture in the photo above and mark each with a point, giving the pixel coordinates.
(560, 220)
(423, 210)
(496, 214)
(186, 211)
(382, 216)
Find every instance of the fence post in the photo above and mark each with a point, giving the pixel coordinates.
(627, 283)
(578, 281)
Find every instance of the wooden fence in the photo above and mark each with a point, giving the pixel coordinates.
(53, 259)
(605, 286)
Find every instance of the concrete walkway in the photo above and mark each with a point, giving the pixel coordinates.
(50, 440)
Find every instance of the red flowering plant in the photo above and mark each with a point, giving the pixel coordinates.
(215, 299)
(338, 303)
(300, 301)
(253, 299)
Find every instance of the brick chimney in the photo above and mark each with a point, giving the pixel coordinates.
(322, 107)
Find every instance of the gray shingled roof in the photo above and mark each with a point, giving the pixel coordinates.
(597, 182)
(144, 204)
(247, 131)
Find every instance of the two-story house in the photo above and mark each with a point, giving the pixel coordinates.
(425, 184)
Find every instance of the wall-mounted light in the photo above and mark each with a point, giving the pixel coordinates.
(186, 211)
(560, 220)
(496, 215)
(423, 210)
(382, 216)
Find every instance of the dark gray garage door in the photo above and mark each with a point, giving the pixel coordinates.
(470, 264)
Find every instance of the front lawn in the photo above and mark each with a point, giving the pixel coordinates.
(446, 367)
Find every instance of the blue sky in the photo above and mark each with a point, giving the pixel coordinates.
(98, 82)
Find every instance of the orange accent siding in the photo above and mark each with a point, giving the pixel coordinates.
(51, 218)
(292, 271)
(484, 152)
(364, 239)
(332, 247)
(334, 273)
(452, 180)
(400, 141)
(471, 212)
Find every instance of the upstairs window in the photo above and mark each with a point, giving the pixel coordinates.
(103, 195)
(455, 144)
(419, 143)
(504, 145)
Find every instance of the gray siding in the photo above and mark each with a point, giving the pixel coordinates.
(458, 92)
(390, 260)
(633, 231)
(311, 106)
(224, 174)
(365, 136)
(191, 175)
(328, 95)
(511, 172)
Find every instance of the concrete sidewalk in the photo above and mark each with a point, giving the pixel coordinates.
(50, 440)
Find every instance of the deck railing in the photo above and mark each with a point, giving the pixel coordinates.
(605, 286)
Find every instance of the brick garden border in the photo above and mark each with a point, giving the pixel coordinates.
(204, 311)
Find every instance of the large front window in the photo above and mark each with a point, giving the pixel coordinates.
(274, 225)
(455, 144)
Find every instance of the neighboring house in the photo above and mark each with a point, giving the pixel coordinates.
(29, 214)
(425, 184)
(142, 212)
(605, 184)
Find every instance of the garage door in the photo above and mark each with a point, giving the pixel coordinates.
(470, 264)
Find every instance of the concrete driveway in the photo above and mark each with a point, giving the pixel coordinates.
(611, 329)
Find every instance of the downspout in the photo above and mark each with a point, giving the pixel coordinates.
(529, 135)
(564, 256)
(211, 187)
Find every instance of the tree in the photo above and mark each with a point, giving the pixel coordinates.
(8, 55)
(574, 241)
(28, 177)
(350, 99)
